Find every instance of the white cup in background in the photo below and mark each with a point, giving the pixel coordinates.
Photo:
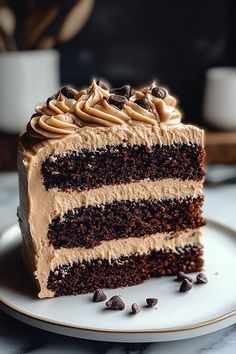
(26, 78)
(219, 105)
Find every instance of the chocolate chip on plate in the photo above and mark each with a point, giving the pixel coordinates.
(186, 285)
(99, 296)
(201, 278)
(181, 276)
(117, 101)
(135, 308)
(115, 303)
(151, 301)
(122, 91)
(143, 102)
(68, 92)
(102, 84)
(159, 92)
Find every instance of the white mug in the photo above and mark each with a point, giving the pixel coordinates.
(26, 78)
(219, 106)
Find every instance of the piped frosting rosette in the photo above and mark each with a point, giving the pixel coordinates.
(96, 108)
(53, 126)
(99, 105)
(162, 104)
(55, 118)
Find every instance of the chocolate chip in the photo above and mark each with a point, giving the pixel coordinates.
(52, 98)
(143, 102)
(99, 296)
(201, 278)
(186, 285)
(122, 91)
(135, 308)
(117, 101)
(181, 276)
(102, 84)
(68, 92)
(115, 303)
(159, 92)
(151, 301)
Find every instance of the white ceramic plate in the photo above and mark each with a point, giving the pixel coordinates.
(206, 308)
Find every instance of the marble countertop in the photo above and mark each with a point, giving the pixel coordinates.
(18, 338)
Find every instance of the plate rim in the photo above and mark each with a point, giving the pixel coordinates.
(167, 330)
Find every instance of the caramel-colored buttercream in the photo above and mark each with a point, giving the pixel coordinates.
(92, 107)
(38, 206)
(99, 137)
(114, 249)
(54, 126)
(59, 202)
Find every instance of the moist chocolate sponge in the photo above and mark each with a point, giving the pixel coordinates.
(122, 164)
(87, 227)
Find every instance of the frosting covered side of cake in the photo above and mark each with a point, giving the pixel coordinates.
(37, 218)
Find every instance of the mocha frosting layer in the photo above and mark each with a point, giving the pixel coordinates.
(113, 249)
(100, 137)
(69, 110)
(146, 189)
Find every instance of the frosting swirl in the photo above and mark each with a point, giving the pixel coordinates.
(69, 110)
(163, 109)
(54, 118)
(94, 108)
(53, 126)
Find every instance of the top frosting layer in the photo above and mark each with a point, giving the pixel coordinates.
(69, 110)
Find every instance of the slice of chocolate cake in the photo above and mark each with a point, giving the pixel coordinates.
(110, 189)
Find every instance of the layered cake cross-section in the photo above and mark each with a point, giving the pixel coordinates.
(110, 189)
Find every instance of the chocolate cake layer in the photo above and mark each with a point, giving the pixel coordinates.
(87, 227)
(122, 164)
(81, 278)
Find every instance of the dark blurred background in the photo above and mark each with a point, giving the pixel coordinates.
(135, 41)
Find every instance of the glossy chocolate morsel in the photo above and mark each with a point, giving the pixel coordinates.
(102, 84)
(185, 286)
(99, 296)
(115, 303)
(122, 91)
(117, 101)
(159, 92)
(143, 102)
(68, 92)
